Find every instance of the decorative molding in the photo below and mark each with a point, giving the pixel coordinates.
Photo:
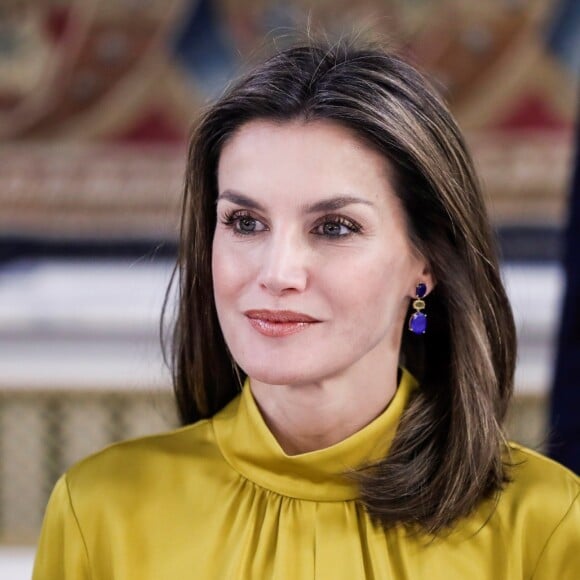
(90, 190)
(111, 190)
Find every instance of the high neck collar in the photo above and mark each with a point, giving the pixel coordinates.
(250, 448)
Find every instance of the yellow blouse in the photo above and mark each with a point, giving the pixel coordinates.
(220, 500)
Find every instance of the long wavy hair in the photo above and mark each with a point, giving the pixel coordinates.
(449, 451)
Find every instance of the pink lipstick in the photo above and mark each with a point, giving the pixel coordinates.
(278, 323)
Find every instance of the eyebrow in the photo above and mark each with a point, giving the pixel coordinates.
(335, 203)
(331, 204)
(240, 199)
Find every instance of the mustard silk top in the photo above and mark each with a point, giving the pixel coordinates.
(220, 500)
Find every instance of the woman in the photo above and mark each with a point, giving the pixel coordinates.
(337, 266)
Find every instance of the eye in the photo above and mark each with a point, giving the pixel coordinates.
(336, 227)
(243, 223)
(246, 224)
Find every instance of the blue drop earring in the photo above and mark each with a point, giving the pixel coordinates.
(418, 320)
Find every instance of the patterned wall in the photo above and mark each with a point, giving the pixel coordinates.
(96, 98)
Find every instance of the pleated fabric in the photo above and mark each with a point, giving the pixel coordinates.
(221, 500)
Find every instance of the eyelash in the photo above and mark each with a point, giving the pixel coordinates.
(232, 220)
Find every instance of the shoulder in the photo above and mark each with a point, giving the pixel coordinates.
(137, 462)
(539, 487)
(128, 490)
(539, 508)
(534, 475)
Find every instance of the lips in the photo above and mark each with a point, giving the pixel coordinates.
(279, 316)
(278, 323)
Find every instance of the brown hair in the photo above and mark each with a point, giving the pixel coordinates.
(447, 454)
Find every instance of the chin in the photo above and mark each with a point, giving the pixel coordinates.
(275, 375)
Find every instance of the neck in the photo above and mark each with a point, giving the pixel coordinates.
(310, 416)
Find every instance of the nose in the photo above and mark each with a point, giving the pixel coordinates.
(284, 264)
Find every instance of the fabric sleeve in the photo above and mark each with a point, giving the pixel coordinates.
(61, 552)
(560, 557)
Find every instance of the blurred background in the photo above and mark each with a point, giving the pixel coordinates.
(96, 102)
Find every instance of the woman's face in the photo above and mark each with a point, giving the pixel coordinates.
(312, 265)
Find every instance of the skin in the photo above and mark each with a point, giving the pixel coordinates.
(351, 268)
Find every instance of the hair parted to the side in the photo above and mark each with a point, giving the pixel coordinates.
(448, 453)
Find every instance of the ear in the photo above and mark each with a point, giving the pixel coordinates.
(425, 276)
(429, 278)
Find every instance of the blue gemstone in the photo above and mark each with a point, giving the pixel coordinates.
(418, 323)
(421, 290)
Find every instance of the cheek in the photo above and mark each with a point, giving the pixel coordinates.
(233, 269)
(375, 288)
(225, 269)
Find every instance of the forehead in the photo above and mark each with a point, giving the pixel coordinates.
(305, 158)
